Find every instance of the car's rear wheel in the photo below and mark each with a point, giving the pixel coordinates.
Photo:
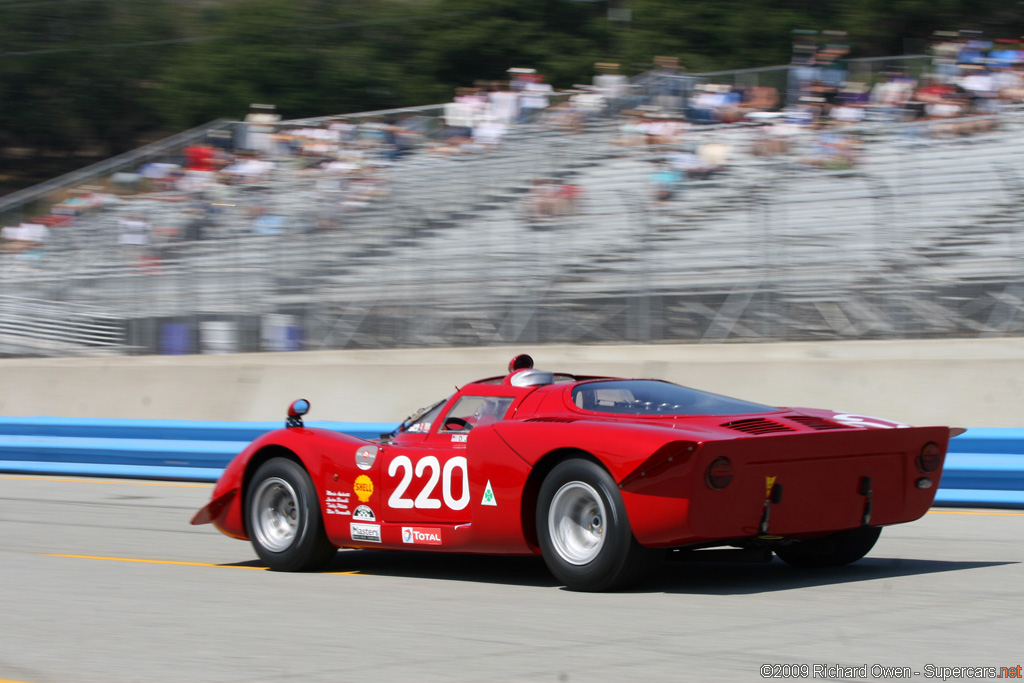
(584, 533)
(834, 550)
(283, 518)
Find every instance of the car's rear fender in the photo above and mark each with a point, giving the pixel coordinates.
(626, 451)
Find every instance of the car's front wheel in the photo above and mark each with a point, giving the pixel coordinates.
(834, 550)
(584, 533)
(283, 518)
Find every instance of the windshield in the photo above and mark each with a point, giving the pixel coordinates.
(420, 421)
(651, 397)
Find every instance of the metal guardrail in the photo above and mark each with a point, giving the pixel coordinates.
(38, 326)
(984, 467)
(15, 203)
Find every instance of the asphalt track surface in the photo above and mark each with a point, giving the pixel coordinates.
(105, 581)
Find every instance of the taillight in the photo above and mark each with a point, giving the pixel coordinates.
(930, 458)
(719, 473)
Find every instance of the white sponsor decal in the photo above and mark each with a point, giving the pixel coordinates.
(851, 420)
(365, 457)
(459, 438)
(364, 514)
(425, 499)
(488, 498)
(365, 532)
(337, 503)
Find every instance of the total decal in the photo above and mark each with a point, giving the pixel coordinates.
(421, 535)
(337, 503)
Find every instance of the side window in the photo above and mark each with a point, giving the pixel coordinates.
(471, 411)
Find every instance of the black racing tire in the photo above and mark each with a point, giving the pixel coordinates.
(282, 516)
(834, 550)
(584, 533)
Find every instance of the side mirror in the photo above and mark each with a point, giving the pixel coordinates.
(296, 410)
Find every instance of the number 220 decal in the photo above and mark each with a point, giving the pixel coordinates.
(425, 500)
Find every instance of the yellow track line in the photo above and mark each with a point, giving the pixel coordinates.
(86, 480)
(187, 564)
(135, 559)
(976, 512)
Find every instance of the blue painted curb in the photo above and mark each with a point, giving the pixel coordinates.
(984, 467)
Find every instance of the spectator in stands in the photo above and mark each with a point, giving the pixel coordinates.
(758, 99)
(488, 131)
(28, 240)
(199, 157)
(550, 198)
(542, 202)
(687, 162)
(261, 123)
(669, 86)
(504, 104)
(890, 97)
(665, 182)
(459, 117)
(611, 86)
(705, 105)
(850, 103)
(534, 97)
(833, 150)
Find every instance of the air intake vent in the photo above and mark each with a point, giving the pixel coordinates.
(818, 423)
(758, 425)
(551, 419)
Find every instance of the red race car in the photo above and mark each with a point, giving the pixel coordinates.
(601, 476)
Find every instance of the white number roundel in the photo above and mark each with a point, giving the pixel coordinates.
(425, 500)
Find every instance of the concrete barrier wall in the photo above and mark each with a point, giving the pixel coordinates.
(976, 382)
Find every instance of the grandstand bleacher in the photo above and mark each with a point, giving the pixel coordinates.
(920, 238)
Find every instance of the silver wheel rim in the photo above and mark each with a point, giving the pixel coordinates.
(576, 523)
(275, 514)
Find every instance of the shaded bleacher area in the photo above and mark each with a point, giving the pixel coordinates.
(556, 233)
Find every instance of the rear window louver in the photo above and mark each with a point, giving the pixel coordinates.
(757, 425)
(818, 423)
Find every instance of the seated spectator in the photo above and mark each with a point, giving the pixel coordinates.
(890, 97)
(759, 98)
(715, 156)
(665, 183)
(488, 131)
(535, 96)
(550, 198)
(834, 150)
(199, 158)
(503, 103)
(610, 86)
(25, 238)
(689, 163)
